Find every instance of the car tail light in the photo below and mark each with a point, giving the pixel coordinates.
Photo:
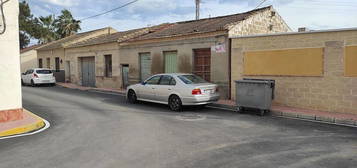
(35, 75)
(196, 91)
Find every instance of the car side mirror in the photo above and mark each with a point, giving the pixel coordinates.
(23, 73)
(143, 83)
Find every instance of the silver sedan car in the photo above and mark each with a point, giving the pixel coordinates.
(175, 89)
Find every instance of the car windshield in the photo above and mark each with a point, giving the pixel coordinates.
(43, 71)
(191, 79)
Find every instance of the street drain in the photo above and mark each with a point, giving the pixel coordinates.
(191, 117)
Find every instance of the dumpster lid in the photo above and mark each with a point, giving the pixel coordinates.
(253, 81)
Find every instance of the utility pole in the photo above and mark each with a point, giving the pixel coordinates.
(197, 9)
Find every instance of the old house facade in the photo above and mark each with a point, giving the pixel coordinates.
(199, 46)
(95, 62)
(52, 55)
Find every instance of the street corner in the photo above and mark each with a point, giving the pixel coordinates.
(29, 125)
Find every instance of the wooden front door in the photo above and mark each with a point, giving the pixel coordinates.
(202, 63)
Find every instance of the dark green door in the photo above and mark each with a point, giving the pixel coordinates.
(170, 61)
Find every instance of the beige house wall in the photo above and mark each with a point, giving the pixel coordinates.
(10, 85)
(331, 92)
(184, 47)
(98, 51)
(28, 60)
(60, 52)
(52, 54)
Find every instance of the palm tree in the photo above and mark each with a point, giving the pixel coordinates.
(66, 24)
(49, 30)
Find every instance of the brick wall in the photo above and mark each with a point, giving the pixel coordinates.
(331, 92)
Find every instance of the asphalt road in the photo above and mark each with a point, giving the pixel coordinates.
(96, 130)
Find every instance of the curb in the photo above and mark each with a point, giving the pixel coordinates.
(106, 91)
(315, 118)
(25, 128)
(94, 90)
(298, 116)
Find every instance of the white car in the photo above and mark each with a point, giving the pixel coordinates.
(175, 89)
(38, 76)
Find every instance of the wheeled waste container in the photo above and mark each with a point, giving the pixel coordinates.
(255, 93)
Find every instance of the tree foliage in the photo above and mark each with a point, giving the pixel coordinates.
(45, 29)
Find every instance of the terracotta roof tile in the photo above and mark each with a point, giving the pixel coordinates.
(30, 48)
(118, 36)
(200, 26)
(59, 43)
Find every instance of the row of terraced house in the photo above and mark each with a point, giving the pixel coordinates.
(312, 69)
(115, 59)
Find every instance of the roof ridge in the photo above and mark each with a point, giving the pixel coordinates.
(73, 35)
(218, 17)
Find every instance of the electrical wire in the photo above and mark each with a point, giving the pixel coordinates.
(122, 6)
(3, 16)
(261, 3)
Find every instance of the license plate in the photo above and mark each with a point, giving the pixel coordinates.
(45, 80)
(209, 91)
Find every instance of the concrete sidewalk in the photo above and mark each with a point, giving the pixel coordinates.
(280, 111)
(30, 122)
(74, 86)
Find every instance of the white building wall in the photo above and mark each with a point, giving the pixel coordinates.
(28, 60)
(10, 82)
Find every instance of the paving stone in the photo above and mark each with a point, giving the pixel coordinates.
(345, 121)
(293, 115)
(307, 116)
(325, 119)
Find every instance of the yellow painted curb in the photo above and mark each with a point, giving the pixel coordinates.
(25, 128)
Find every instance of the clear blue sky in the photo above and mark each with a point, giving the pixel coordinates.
(314, 14)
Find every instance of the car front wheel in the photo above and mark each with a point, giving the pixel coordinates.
(132, 97)
(175, 103)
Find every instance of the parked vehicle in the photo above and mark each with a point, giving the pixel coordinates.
(38, 76)
(174, 89)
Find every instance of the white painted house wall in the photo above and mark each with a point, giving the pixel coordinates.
(10, 79)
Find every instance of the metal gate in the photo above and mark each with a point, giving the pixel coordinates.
(202, 63)
(88, 71)
(170, 61)
(125, 75)
(145, 66)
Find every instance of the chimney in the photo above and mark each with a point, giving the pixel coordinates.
(303, 29)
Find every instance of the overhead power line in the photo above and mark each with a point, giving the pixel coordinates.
(261, 3)
(103, 13)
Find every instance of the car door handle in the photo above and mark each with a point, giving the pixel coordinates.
(168, 89)
(152, 88)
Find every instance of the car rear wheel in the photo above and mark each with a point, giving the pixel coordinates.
(175, 103)
(132, 97)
